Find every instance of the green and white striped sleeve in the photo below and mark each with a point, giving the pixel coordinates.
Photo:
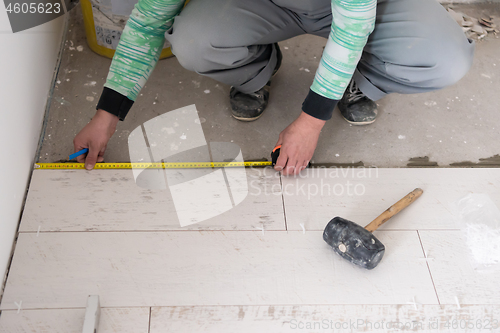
(353, 21)
(137, 53)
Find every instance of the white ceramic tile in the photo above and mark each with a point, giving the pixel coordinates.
(78, 200)
(360, 195)
(330, 318)
(112, 320)
(453, 273)
(55, 270)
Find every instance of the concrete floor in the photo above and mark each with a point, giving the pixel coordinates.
(450, 127)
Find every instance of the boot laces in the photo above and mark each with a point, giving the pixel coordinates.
(353, 93)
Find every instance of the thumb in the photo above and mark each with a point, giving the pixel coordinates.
(91, 159)
(276, 155)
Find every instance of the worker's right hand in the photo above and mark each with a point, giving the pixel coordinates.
(95, 136)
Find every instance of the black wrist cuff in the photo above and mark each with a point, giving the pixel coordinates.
(318, 106)
(114, 103)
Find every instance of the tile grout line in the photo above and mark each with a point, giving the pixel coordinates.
(283, 201)
(428, 267)
(149, 322)
(202, 230)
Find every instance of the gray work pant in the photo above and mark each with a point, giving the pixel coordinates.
(415, 47)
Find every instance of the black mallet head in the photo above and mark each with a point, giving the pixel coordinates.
(354, 243)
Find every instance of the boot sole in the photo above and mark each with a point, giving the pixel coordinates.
(247, 119)
(359, 123)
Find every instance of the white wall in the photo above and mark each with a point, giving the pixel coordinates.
(27, 63)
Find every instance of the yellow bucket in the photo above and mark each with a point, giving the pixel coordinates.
(103, 27)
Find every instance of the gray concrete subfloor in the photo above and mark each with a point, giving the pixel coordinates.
(456, 124)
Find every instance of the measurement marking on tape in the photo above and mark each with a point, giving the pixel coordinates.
(190, 165)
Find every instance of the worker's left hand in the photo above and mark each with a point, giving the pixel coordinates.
(298, 142)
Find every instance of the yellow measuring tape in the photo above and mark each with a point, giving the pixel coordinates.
(190, 165)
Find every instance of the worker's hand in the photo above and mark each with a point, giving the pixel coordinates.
(298, 142)
(95, 136)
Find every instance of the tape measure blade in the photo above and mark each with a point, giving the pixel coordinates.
(157, 165)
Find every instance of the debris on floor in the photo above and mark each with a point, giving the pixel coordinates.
(474, 28)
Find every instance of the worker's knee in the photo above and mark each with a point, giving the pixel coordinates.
(421, 47)
(188, 46)
(189, 56)
(453, 60)
(203, 48)
(435, 65)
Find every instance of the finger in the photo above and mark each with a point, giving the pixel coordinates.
(77, 147)
(290, 166)
(81, 158)
(304, 165)
(100, 157)
(297, 168)
(282, 160)
(91, 159)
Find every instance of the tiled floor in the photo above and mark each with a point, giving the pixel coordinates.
(81, 234)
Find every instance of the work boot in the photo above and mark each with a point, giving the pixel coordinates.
(249, 107)
(356, 108)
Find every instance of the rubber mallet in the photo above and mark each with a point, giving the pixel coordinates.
(357, 244)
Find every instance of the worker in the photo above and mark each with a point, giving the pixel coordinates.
(373, 48)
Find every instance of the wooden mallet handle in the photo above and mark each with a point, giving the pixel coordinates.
(394, 209)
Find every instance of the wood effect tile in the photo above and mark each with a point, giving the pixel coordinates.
(453, 271)
(361, 194)
(112, 320)
(109, 200)
(126, 269)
